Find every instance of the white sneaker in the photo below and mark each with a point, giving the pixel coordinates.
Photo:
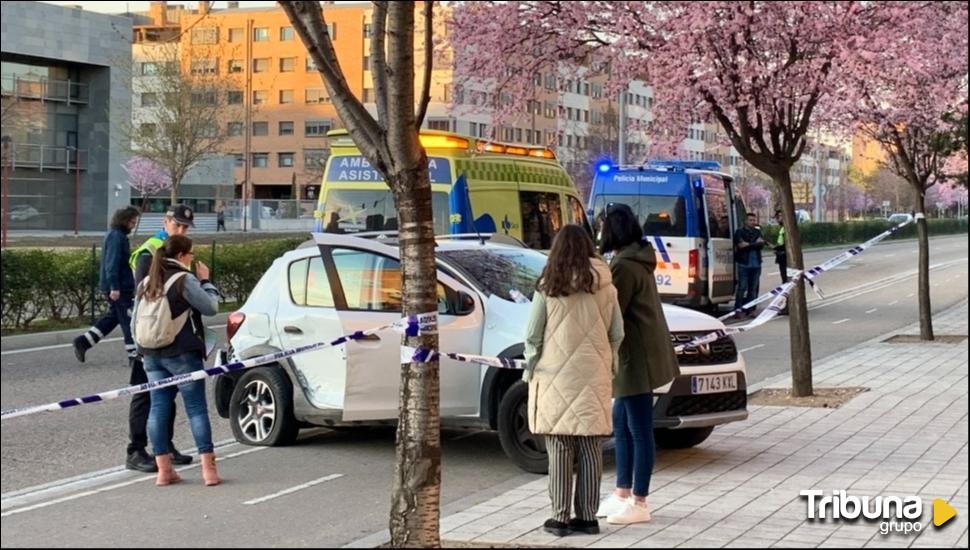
(632, 513)
(612, 505)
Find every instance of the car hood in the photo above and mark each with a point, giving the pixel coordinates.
(681, 319)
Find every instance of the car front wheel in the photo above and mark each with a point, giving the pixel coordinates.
(527, 451)
(261, 409)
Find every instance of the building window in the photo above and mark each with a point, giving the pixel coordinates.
(237, 35)
(210, 130)
(205, 66)
(286, 128)
(550, 109)
(315, 158)
(149, 99)
(317, 95)
(317, 128)
(261, 129)
(287, 64)
(205, 35)
(150, 69)
(235, 129)
(261, 65)
(286, 96)
(366, 63)
(234, 98)
(261, 34)
(368, 95)
(285, 160)
(260, 160)
(332, 31)
(443, 124)
(368, 30)
(287, 34)
(310, 65)
(239, 159)
(260, 97)
(550, 81)
(204, 98)
(237, 65)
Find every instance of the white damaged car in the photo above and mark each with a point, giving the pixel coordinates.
(341, 283)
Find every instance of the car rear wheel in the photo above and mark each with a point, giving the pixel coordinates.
(261, 409)
(683, 438)
(526, 450)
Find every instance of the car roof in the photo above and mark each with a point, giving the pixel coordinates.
(388, 245)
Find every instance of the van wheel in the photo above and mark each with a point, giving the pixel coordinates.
(261, 409)
(681, 439)
(527, 451)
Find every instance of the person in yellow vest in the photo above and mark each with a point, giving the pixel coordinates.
(781, 256)
(178, 219)
(571, 345)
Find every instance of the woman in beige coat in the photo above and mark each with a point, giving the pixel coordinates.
(573, 336)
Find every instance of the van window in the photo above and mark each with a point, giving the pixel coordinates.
(575, 213)
(353, 211)
(541, 218)
(659, 215)
(718, 223)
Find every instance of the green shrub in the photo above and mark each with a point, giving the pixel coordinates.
(826, 233)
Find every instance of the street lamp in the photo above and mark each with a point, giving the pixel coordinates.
(6, 186)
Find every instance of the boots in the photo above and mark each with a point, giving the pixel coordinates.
(166, 474)
(209, 473)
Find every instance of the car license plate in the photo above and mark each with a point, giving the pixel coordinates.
(713, 383)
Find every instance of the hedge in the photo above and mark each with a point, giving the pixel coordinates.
(57, 285)
(825, 233)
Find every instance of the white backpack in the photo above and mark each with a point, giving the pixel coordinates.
(154, 326)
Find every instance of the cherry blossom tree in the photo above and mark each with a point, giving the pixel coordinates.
(147, 177)
(910, 93)
(390, 143)
(764, 71)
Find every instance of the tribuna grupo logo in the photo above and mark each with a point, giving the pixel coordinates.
(896, 514)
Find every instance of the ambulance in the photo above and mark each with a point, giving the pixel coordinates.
(689, 211)
(476, 186)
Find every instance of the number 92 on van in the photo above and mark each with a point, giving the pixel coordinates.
(713, 383)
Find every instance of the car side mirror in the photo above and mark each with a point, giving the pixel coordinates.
(465, 303)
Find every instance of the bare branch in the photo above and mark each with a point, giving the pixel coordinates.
(378, 55)
(428, 61)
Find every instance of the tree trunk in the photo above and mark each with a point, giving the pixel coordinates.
(801, 343)
(922, 232)
(174, 194)
(417, 475)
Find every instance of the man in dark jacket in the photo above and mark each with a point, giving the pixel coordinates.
(748, 243)
(117, 283)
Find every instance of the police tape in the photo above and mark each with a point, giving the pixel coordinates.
(412, 325)
(810, 274)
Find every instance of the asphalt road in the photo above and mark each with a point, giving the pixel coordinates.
(62, 484)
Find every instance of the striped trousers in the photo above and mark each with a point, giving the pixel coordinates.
(584, 455)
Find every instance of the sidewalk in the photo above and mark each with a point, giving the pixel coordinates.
(907, 436)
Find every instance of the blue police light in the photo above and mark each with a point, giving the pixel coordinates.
(604, 167)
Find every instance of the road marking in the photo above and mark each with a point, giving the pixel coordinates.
(121, 485)
(873, 310)
(751, 348)
(841, 321)
(894, 302)
(60, 346)
(294, 489)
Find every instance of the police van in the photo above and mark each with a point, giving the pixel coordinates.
(476, 186)
(689, 211)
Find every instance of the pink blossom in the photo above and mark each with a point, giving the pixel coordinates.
(147, 176)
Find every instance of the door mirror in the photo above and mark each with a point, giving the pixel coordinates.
(464, 303)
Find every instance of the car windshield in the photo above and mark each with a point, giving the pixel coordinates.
(353, 211)
(507, 273)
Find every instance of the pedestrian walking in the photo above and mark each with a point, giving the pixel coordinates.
(221, 218)
(179, 218)
(117, 283)
(646, 362)
(748, 243)
(168, 330)
(781, 256)
(572, 337)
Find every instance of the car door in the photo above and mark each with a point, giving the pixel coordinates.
(307, 315)
(367, 289)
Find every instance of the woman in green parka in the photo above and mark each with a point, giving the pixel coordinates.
(647, 362)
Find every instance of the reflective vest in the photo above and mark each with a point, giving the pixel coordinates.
(781, 237)
(149, 246)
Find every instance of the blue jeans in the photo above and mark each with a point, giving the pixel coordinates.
(749, 279)
(163, 402)
(635, 450)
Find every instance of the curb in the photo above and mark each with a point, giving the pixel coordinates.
(62, 337)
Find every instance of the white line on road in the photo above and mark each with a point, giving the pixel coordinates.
(294, 489)
(121, 485)
(841, 321)
(751, 348)
(894, 302)
(59, 346)
(873, 310)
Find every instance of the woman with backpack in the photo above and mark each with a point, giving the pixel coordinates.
(168, 330)
(647, 362)
(574, 330)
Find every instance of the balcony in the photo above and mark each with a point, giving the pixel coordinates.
(47, 157)
(44, 89)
